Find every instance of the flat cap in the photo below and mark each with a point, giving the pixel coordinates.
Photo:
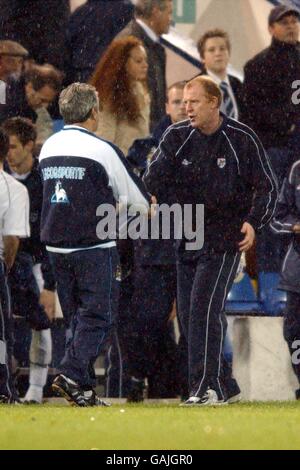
(13, 48)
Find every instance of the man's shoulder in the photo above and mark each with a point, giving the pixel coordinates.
(11, 186)
(239, 128)
(178, 132)
(79, 143)
(259, 58)
(132, 29)
(235, 80)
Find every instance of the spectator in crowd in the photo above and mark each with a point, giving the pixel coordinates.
(269, 110)
(267, 91)
(140, 151)
(175, 110)
(39, 26)
(152, 19)
(12, 56)
(91, 28)
(31, 279)
(120, 79)
(214, 48)
(287, 221)
(31, 95)
(234, 182)
(74, 162)
(14, 214)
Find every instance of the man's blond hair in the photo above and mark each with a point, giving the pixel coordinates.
(211, 89)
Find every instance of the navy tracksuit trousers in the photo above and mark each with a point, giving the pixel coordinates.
(203, 285)
(88, 294)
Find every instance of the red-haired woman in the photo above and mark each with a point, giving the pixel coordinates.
(120, 79)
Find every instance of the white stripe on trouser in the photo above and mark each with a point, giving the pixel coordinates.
(3, 332)
(120, 367)
(207, 323)
(2, 353)
(108, 371)
(222, 328)
(117, 344)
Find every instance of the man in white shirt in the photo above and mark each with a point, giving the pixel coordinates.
(214, 48)
(14, 224)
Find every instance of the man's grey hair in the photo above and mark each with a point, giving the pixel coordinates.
(143, 8)
(77, 101)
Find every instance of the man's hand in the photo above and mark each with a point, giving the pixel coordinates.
(47, 299)
(249, 238)
(11, 245)
(152, 210)
(296, 228)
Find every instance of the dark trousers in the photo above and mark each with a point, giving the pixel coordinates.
(87, 291)
(6, 338)
(270, 248)
(203, 285)
(25, 293)
(291, 329)
(144, 343)
(152, 301)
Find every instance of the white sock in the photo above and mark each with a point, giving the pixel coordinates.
(37, 381)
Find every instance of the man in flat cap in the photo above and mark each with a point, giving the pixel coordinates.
(12, 55)
(268, 108)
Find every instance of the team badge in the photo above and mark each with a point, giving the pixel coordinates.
(60, 195)
(221, 162)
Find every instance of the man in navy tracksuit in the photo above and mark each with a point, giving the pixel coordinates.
(220, 163)
(287, 221)
(83, 177)
(31, 279)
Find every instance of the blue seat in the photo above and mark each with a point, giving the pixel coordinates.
(273, 300)
(58, 124)
(242, 297)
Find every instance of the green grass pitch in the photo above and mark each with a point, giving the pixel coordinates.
(149, 426)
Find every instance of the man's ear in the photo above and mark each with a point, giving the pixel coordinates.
(215, 102)
(29, 146)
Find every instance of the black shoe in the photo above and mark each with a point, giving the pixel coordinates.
(297, 393)
(210, 398)
(93, 399)
(31, 402)
(71, 391)
(5, 400)
(137, 390)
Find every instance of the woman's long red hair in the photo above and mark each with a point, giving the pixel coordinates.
(112, 82)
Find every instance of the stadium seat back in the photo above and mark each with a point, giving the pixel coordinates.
(242, 297)
(273, 300)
